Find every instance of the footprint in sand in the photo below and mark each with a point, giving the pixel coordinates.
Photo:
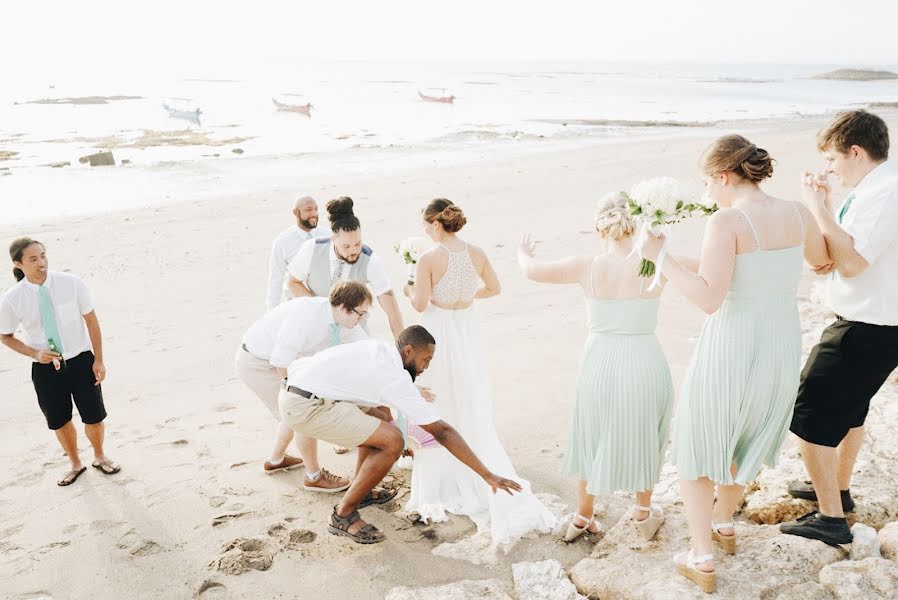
(216, 501)
(244, 554)
(211, 589)
(298, 538)
(227, 518)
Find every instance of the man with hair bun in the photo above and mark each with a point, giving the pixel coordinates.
(859, 350)
(326, 260)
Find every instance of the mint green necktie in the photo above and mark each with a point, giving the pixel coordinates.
(845, 205)
(335, 334)
(48, 319)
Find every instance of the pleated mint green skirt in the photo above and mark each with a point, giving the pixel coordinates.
(738, 394)
(622, 411)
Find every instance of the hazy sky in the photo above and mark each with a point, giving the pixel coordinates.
(37, 34)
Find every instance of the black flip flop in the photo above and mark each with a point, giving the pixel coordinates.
(65, 481)
(107, 466)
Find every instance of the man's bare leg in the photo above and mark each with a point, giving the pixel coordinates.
(847, 451)
(822, 465)
(68, 439)
(96, 433)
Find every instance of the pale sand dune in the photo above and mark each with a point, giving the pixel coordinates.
(177, 285)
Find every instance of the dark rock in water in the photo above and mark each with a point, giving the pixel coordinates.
(856, 75)
(237, 150)
(100, 159)
(126, 161)
(60, 164)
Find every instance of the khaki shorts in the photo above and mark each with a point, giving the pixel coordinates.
(259, 376)
(340, 423)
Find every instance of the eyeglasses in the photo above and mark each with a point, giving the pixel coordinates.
(361, 314)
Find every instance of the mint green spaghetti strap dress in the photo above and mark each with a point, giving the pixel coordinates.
(624, 399)
(736, 401)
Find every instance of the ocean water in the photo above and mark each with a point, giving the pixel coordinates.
(375, 105)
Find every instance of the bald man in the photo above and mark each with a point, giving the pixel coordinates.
(305, 211)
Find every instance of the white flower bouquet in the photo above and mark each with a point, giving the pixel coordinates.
(411, 250)
(658, 202)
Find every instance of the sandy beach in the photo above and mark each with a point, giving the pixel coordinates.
(176, 284)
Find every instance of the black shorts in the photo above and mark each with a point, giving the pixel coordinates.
(844, 371)
(74, 381)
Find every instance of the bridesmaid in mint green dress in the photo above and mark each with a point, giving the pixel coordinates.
(736, 402)
(624, 394)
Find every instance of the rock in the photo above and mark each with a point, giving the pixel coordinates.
(809, 590)
(625, 567)
(865, 544)
(856, 75)
(868, 579)
(544, 580)
(59, 165)
(126, 161)
(237, 150)
(100, 159)
(485, 589)
(888, 541)
(767, 501)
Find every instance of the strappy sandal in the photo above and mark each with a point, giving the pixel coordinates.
(377, 496)
(369, 534)
(686, 566)
(648, 526)
(573, 532)
(727, 542)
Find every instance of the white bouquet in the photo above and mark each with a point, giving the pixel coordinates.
(411, 250)
(658, 202)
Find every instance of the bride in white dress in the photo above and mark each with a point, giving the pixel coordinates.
(448, 279)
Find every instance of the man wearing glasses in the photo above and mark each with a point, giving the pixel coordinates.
(297, 328)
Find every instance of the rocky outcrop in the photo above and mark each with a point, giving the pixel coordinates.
(100, 159)
(545, 580)
(625, 567)
(868, 579)
(856, 75)
(888, 541)
(486, 589)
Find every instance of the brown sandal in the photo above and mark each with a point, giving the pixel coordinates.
(70, 477)
(369, 534)
(378, 496)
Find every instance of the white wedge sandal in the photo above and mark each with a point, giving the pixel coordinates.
(686, 566)
(573, 532)
(727, 542)
(648, 526)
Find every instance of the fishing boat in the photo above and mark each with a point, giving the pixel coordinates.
(305, 109)
(192, 115)
(436, 95)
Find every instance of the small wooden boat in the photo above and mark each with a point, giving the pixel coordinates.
(305, 109)
(432, 97)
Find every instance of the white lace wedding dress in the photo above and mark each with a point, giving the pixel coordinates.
(458, 376)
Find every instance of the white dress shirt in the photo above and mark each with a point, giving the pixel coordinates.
(298, 327)
(71, 299)
(369, 373)
(301, 266)
(872, 220)
(285, 247)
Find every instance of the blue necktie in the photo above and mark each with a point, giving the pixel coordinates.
(335, 334)
(48, 319)
(845, 205)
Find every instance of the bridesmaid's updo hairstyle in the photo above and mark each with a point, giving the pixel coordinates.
(613, 219)
(446, 213)
(16, 250)
(735, 154)
(340, 215)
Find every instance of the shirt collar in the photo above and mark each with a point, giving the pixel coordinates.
(885, 169)
(35, 286)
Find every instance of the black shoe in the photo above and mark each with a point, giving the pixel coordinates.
(829, 530)
(805, 491)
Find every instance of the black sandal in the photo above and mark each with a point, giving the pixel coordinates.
(369, 534)
(377, 496)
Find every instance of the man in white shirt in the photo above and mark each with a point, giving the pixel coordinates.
(299, 327)
(858, 352)
(323, 261)
(62, 337)
(288, 243)
(341, 395)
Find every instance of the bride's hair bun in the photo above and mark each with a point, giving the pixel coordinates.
(734, 153)
(613, 219)
(444, 211)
